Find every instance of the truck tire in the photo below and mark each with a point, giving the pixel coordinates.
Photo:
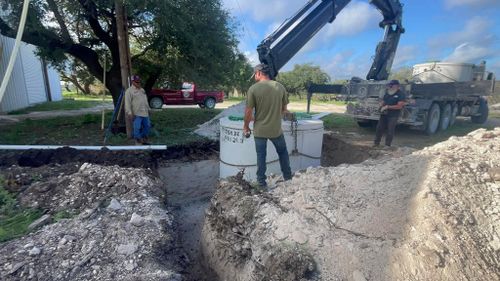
(454, 113)
(209, 103)
(433, 116)
(201, 105)
(445, 118)
(155, 103)
(483, 110)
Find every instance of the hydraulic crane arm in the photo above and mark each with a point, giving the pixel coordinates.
(277, 49)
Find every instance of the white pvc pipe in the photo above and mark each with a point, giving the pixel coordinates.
(17, 45)
(77, 147)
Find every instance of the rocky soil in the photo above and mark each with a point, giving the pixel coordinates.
(432, 214)
(117, 227)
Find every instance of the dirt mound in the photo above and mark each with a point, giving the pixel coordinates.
(118, 228)
(138, 159)
(430, 215)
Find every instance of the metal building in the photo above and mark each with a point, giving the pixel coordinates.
(32, 81)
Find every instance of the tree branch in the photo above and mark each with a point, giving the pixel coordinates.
(60, 20)
(93, 21)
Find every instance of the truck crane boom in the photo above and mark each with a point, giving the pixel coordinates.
(279, 47)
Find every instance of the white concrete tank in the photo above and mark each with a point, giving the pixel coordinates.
(238, 152)
(443, 72)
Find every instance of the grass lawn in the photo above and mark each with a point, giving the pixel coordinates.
(418, 139)
(71, 101)
(170, 127)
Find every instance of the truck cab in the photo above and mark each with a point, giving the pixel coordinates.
(188, 94)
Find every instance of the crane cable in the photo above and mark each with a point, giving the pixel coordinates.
(15, 50)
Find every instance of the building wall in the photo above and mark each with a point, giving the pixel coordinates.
(55, 84)
(15, 95)
(26, 85)
(33, 75)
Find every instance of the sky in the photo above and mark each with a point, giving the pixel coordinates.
(436, 30)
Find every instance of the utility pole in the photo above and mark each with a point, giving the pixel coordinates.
(123, 47)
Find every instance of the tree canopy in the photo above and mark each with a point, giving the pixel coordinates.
(296, 81)
(171, 40)
(402, 74)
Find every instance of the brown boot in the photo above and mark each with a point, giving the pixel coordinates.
(138, 142)
(145, 141)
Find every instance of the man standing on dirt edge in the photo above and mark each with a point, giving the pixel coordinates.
(269, 99)
(137, 109)
(390, 109)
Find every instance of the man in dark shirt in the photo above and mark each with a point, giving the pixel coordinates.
(391, 105)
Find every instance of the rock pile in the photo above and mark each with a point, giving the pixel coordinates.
(431, 215)
(120, 229)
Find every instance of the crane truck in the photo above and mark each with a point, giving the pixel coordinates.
(432, 105)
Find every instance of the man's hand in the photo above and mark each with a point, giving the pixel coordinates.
(246, 132)
(384, 108)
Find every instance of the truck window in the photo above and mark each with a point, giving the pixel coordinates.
(187, 86)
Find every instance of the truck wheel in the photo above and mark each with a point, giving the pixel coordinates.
(209, 103)
(483, 110)
(454, 113)
(201, 105)
(433, 117)
(156, 102)
(444, 120)
(366, 123)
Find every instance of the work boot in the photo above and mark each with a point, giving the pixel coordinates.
(138, 142)
(145, 141)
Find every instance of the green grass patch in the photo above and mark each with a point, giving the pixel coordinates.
(170, 127)
(14, 220)
(337, 121)
(75, 96)
(58, 105)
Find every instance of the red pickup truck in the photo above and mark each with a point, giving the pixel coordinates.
(188, 94)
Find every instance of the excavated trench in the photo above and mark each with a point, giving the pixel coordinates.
(190, 177)
(191, 185)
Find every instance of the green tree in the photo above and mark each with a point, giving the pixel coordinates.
(240, 77)
(402, 74)
(78, 75)
(296, 81)
(171, 40)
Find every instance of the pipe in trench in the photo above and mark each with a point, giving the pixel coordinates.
(77, 147)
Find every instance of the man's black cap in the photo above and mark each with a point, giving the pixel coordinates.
(393, 82)
(260, 67)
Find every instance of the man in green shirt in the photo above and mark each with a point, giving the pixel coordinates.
(269, 99)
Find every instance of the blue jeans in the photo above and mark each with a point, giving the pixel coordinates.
(141, 127)
(261, 148)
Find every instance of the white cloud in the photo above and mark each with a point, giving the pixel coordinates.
(354, 18)
(472, 53)
(475, 29)
(347, 64)
(404, 55)
(264, 10)
(473, 43)
(458, 3)
(253, 57)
